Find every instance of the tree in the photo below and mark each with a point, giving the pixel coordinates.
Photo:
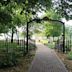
(27, 7)
(33, 6)
(53, 29)
(63, 7)
(51, 14)
(17, 19)
(5, 19)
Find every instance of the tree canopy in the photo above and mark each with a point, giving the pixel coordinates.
(53, 29)
(64, 8)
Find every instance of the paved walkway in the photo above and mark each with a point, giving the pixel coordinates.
(46, 61)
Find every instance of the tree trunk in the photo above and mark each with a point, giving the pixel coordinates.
(70, 41)
(27, 38)
(63, 38)
(17, 37)
(12, 36)
(53, 38)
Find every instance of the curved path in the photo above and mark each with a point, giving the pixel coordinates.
(46, 60)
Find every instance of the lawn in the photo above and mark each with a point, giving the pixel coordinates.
(51, 45)
(43, 41)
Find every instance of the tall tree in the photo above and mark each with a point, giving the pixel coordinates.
(53, 29)
(28, 7)
(33, 6)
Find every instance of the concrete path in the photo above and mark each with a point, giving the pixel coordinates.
(46, 60)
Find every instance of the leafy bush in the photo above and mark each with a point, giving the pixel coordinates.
(32, 46)
(8, 60)
(10, 53)
(44, 41)
(7, 45)
(70, 55)
(51, 45)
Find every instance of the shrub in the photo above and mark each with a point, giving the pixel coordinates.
(51, 45)
(70, 55)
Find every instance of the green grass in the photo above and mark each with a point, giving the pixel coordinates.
(51, 45)
(14, 46)
(7, 44)
(8, 47)
(44, 41)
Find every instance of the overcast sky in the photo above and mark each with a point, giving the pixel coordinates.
(67, 23)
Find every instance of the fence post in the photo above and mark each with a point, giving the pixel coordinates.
(63, 38)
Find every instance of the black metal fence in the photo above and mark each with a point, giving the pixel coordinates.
(10, 52)
(59, 45)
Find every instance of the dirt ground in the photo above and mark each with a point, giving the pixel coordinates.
(68, 63)
(24, 63)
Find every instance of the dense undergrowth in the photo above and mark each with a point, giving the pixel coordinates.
(11, 52)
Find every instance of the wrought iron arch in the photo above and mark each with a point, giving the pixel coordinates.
(38, 20)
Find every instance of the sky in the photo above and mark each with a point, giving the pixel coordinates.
(40, 14)
(67, 23)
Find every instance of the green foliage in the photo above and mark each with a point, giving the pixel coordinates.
(3, 28)
(4, 44)
(53, 29)
(10, 16)
(16, 13)
(4, 17)
(10, 52)
(37, 31)
(51, 45)
(52, 14)
(32, 46)
(44, 41)
(23, 34)
(70, 55)
(35, 4)
(8, 60)
(63, 8)
(68, 31)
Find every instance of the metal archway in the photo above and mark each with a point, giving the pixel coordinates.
(38, 20)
